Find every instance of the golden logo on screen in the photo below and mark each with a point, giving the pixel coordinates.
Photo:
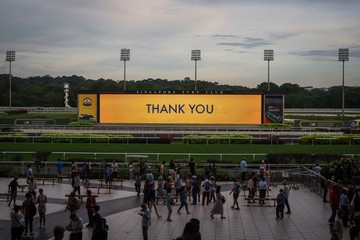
(87, 102)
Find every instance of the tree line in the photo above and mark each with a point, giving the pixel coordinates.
(47, 91)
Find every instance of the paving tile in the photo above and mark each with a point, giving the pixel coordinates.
(307, 221)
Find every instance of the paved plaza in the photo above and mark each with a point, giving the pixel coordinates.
(308, 219)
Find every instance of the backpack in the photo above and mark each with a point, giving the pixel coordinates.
(357, 203)
(237, 189)
(207, 185)
(33, 210)
(195, 185)
(104, 228)
(103, 224)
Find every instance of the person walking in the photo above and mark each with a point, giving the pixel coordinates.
(178, 185)
(76, 185)
(236, 192)
(344, 206)
(183, 198)
(160, 190)
(262, 190)
(59, 166)
(280, 200)
(338, 227)
(90, 204)
(250, 187)
(334, 204)
(146, 220)
(28, 211)
(243, 169)
(32, 186)
(17, 227)
(212, 189)
(169, 204)
(267, 175)
(192, 167)
(100, 227)
(286, 193)
(114, 171)
(218, 207)
(12, 189)
(149, 196)
(29, 173)
(195, 189)
(206, 190)
(138, 183)
(59, 233)
(75, 227)
(41, 201)
(73, 204)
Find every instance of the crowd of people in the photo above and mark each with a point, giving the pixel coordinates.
(168, 189)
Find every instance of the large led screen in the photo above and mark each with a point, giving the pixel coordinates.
(180, 108)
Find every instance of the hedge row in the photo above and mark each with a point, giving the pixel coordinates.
(218, 139)
(322, 139)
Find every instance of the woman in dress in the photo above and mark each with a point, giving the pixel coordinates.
(218, 207)
(267, 174)
(41, 200)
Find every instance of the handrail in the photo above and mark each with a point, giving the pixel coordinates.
(329, 181)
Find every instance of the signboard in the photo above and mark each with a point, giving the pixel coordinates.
(320, 124)
(273, 108)
(35, 122)
(87, 107)
(180, 108)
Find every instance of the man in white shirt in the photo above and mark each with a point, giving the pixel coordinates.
(317, 169)
(286, 194)
(243, 170)
(262, 190)
(114, 170)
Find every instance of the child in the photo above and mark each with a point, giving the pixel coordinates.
(183, 198)
(236, 192)
(146, 219)
(280, 200)
(338, 228)
(169, 203)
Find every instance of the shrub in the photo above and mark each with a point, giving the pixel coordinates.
(218, 139)
(18, 111)
(82, 123)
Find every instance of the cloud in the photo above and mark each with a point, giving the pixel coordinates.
(248, 43)
(331, 54)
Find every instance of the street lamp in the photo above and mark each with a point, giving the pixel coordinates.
(195, 56)
(268, 56)
(343, 56)
(125, 56)
(10, 57)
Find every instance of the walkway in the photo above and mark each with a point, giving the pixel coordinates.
(307, 221)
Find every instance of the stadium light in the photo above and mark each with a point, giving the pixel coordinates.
(195, 56)
(343, 56)
(268, 56)
(125, 56)
(10, 57)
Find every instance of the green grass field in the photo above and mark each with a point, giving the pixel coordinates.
(169, 151)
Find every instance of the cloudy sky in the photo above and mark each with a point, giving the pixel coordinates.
(84, 37)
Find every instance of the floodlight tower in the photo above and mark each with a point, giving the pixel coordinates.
(10, 57)
(343, 56)
(125, 56)
(195, 56)
(268, 56)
